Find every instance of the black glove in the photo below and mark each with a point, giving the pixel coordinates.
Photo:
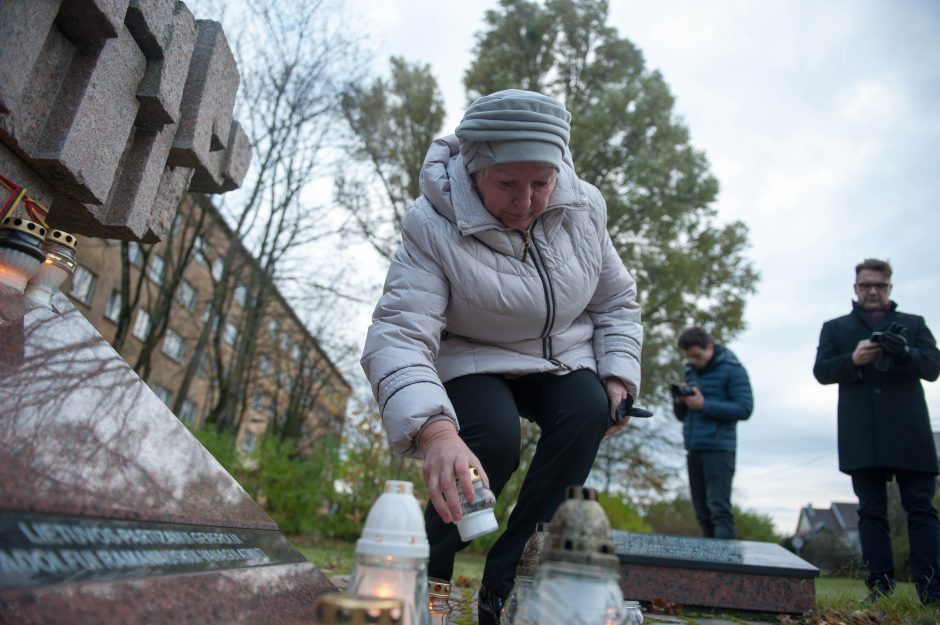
(894, 344)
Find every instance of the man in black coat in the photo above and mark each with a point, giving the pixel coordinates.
(878, 356)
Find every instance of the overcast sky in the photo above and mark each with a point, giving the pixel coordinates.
(821, 121)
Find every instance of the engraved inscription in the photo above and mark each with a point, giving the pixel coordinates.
(41, 550)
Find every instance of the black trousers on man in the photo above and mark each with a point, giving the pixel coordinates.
(923, 528)
(572, 412)
(710, 475)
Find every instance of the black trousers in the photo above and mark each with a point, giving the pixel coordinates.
(572, 412)
(710, 475)
(923, 529)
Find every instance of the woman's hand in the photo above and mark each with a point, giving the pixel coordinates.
(447, 459)
(616, 393)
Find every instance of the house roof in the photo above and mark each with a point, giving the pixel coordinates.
(838, 518)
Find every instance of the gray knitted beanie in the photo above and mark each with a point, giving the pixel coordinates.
(513, 126)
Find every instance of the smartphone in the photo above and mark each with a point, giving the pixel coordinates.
(875, 337)
(622, 411)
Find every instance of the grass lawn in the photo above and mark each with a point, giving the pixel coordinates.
(336, 557)
(838, 600)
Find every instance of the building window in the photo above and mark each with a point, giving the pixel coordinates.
(206, 313)
(285, 340)
(163, 393)
(264, 364)
(155, 269)
(199, 250)
(83, 285)
(272, 328)
(248, 441)
(113, 310)
(134, 254)
(257, 402)
(217, 269)
(141, 325)
(295, 352)
(173, 345)
(202, 369)
(188, 412)
(241, 293)
(231, 333)
(177, 222)
(186, 295)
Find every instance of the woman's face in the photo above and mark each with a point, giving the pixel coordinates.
(516, 193)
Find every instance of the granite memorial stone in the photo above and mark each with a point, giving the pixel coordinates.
(103, 101)
(715, 573)
(110, 510)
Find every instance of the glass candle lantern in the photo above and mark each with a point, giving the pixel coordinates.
(478, 516)
(525, 573)
(439, 596)
(392, 553)
(634, 614)
(340, 609)
(21, 252)
(59, 265)
(579, 572)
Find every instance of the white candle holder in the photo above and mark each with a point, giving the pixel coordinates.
(59, 265)
(392, 553)
(21, 252)
(478, 515)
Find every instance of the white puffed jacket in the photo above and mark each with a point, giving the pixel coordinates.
(465, 294)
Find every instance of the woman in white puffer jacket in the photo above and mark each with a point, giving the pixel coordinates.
(506, 298)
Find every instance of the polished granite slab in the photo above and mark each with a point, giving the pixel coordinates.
(110, 510)
(714, 573)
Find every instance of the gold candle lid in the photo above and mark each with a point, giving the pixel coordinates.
(60, 236)
(339, 609)
(24, 225)
(438, 587)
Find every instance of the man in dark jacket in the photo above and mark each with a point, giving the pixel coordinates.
(878, 356)
(716, 395)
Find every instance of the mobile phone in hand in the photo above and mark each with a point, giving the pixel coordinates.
(627, 409)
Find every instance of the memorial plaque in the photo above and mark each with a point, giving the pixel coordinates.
(38, 550)
(110, 510)
(714, 573)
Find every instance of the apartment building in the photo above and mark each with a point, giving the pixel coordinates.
(200, 326)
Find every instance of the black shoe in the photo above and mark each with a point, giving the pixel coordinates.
(489, 605)
(931, 598)
(878, 591)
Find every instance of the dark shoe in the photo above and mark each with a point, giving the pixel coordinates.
(489, 605)
(931, 597)
(878, 591)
